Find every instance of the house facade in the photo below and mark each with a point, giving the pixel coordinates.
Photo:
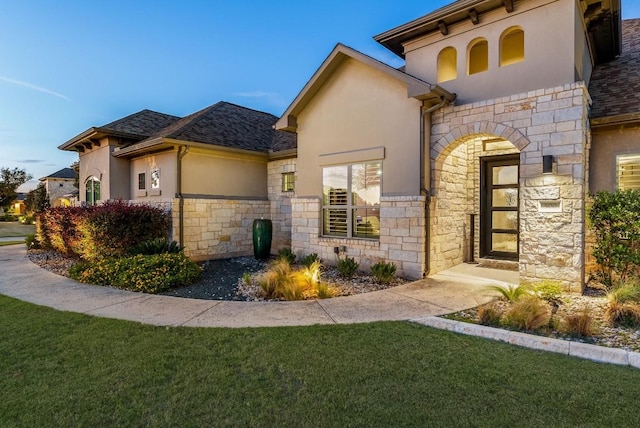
(215, 170)
(487, 162)
(61, 187)
(484, 147)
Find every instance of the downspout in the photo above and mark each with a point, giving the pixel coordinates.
(425, 176)
(182, 151)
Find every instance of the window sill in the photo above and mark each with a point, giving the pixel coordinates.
(155, 192)
(141, 193)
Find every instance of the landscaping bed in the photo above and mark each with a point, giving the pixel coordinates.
(593, 301)
(223, 279)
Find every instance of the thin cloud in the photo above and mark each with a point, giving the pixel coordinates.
(272, 98)
(33, 87)
(30, 161)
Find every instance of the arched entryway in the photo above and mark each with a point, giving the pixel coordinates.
(475, 195)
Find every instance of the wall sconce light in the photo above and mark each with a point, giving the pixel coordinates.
(547, 164)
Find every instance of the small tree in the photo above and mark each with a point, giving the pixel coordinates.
(37, 200)
(615, 220)
(10, 180)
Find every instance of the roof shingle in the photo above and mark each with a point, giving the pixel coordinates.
(229, 125)
(143, 123)
(615, 86)
(63, 173)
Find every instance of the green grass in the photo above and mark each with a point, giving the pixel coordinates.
(65, 369)
(13, 228)
(4, 243)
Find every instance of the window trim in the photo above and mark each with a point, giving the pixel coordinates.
(90, 184)
(350, 207)
(505, 34)
(142, 181)
(440, 65)
(473, 44)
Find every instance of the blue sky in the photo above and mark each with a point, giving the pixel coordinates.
(69, 65)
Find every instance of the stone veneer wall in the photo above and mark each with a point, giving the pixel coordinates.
(402, 235)
(545, 122)
(280, 202)
(218, 228)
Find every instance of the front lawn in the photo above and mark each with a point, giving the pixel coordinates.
(14, 228)
(66, 369)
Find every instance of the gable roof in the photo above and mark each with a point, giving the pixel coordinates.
(66, 173)
(136, 126)
(224, 125)
(615, 86)
(416, 88)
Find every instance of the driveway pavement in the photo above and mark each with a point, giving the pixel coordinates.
(449, 291)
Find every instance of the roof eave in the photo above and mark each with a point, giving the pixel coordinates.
(617, 120)
(393, 39)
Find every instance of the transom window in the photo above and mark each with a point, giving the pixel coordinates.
(351, 200)
(92, 190)
(628, 171)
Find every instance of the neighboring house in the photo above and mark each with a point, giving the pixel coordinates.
(216, 170)
(18, 206)
(61, 187)
(478, 149)
(392, 167)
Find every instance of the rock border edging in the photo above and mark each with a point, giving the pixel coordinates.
(596, 353)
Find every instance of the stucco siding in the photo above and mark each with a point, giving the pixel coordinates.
(360, 109)
(605, 147)
(549, 52)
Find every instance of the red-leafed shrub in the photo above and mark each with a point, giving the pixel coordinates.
(106, 230)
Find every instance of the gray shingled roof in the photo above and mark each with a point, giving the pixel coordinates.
(63, 173)
(229, 125)
(143, 123)
(615, 86)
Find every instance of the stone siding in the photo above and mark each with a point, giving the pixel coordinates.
(402, 235)
(218, 228)
(280, 202)
(545, 122)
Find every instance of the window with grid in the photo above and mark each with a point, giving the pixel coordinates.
(288, 181)
(628, 171)
(351, 200)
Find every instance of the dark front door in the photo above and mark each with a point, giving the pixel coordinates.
(499, 207)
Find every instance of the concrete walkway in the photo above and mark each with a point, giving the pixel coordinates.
(450, 291)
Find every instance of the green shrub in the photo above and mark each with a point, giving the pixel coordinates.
(309, 259)
(511, 293)
(150, 274)
(156, 246)
(27, 219)
(615, 220)
(548, 290)
(347, 267)
(31, 242)
(527, 313)
(384, 272)
(246, 278)
(625, 292)
(287, 254)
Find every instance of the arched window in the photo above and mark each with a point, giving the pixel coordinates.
(447, 64)
(511, 46)
(478, 56)
(92, 190)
